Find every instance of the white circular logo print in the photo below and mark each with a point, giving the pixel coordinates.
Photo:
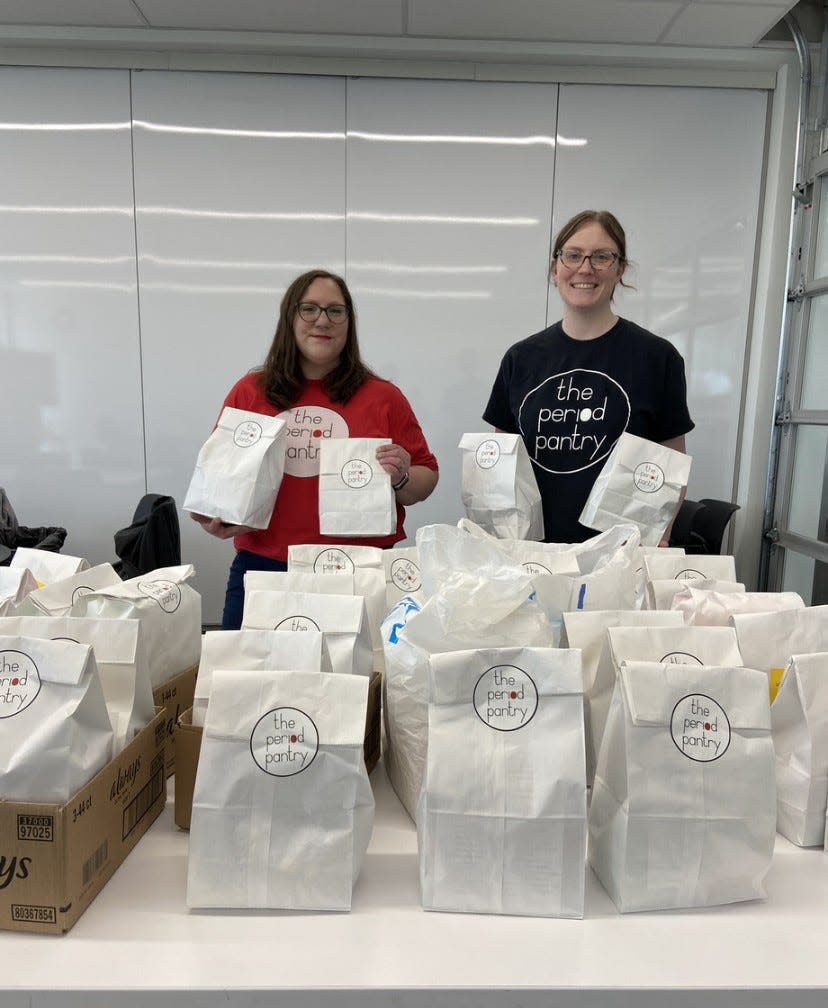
(648, 477)
(681, 658)
(166, 593)
(284, 742)
(333, 561)
(19, 682)
(299, 623)
(247, 433)
(356, 474)
(487, 454)
(689, 574)
(572, 420)
(405, 574)
(533, 567)
(306, 428)
(700, 728)
(505, 698)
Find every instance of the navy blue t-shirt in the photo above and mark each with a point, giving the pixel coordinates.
(571, 400)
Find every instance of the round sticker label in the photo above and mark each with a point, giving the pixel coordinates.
(648, 477)
(405, 574)
(681, 658)
(333, 561)
(356, 474)
(19, 682)
(166, 593)
(487, 454)
(247, 433)
(700, 728)
(297, 623)
(533, 567)
(689, 574)
(505, 698)
(284, 742)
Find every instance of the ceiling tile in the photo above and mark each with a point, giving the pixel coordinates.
(80, 13)
(724, 24)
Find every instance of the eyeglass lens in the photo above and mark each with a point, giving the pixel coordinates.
(310, 312)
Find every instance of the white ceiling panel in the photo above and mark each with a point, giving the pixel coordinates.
(355, 17)
(724, 24)
(633, 21)
(86, 13)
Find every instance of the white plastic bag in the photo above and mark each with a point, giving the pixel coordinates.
(498, 486)
(355, 495)
(239, 469)
(15, 584)
(282, 807)
(57, 598)
(683, 809)
(502, 816)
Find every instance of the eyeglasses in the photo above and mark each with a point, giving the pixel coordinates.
(310, 312)
(600, 260)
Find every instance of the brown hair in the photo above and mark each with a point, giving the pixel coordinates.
(282, 379)
(608, 221)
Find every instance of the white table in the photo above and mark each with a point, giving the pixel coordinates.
(138, 945)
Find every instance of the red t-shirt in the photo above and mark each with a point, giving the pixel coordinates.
(377, 409)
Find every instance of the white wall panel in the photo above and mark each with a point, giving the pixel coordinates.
(681, 168)
(449, 204)
(240, 186)
(71, 438)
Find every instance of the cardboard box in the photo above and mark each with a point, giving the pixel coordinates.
(188, 747)
(175, 696)
(55, 859)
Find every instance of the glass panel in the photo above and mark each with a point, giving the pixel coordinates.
(799, 575)
(815, 376)
(821, 258)
(808, 481)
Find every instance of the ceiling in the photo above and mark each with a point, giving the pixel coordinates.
(697, 23)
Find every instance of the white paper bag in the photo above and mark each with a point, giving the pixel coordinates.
(340, 619)
(57, 598)
(641, 570)
(588, 631)
(355, 495)
(169, 611)
(481, 600)
(683, 808)
(403, 576)
(662, 565)
(55, 731)
(799, 722)
(239, 469)
(502, 817)
(282, 807)
(769, 640)
(640, 482)
(120, 659)
(15, 585)
(254, 650)
(46, 566)
(706, 607)
(301, 581)
(661, 592)
(498, 486)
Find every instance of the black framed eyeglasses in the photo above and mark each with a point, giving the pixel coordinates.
(601, 260)
(310, 312)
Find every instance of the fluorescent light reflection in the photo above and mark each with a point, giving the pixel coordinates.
(420, 270)
(352, 267)
(33, 209)
(351, 215)
(222, 131)
(435, 294)
(82, 284)
(235, 215)
(448, 138)
(74, 260)
(443, 219)
(64, 127)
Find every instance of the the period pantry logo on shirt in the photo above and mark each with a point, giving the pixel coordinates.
(305, 428)
(572, 420)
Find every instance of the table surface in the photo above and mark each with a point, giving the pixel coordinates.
(139, 945)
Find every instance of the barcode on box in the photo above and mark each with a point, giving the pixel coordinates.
(142, 803)
(33, 914)
(36, 827)
(93, 865)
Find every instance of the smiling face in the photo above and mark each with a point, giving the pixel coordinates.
(320, 343)
(586, 288)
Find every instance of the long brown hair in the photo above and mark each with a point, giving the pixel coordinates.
(282, 379)
(608, 221)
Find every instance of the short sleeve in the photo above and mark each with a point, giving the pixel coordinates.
(498, 411)
(405, 431)
(674, 419)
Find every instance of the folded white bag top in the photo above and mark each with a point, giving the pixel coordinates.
(58, 598)
(769, 640)
(660, 593)
(641, 482)
(254, 650)
(48, 567)
(15, 585)
(301, 581)
(56, 733)
(799, 721)
(169, 611)
(239, 469)
(282, 807)
(707, 607)
(588, 632)
(340, 618)
(641, 571)
(501, 825)
(498, 486)
(120, 658)
(661, 566)
(683, 809)
(355, 495)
